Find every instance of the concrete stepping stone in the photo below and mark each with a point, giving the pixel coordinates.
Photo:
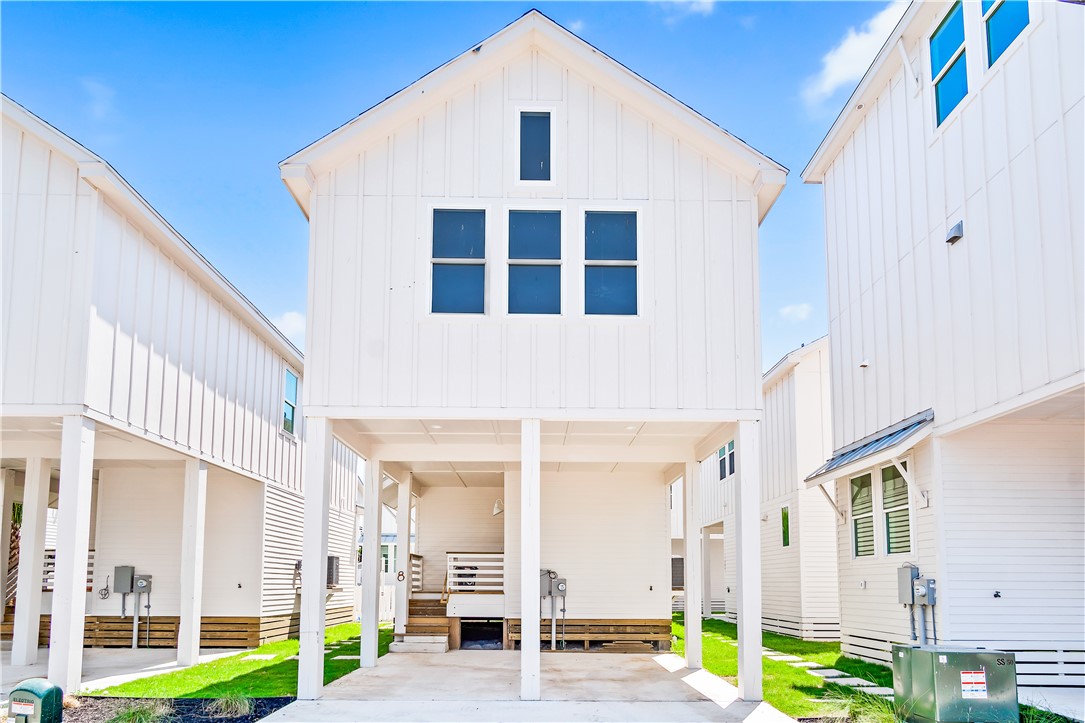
(785, 658)
(805, 664)
(854, 682)
(347, 657)
(879, 691)
(260, 656)
(827, 673)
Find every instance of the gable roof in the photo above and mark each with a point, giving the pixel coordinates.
(534, 28)
(96, 171)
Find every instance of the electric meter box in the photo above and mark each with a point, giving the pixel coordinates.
(944, 684)
(123, 578)
(142, 583)
(36, 701)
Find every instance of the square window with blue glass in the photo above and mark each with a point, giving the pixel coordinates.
(534, 262)
(459, 261)
(610, 269)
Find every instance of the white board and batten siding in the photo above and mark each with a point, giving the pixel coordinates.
(371, 216)
(998, 315)
(283, 532)
(46, 224)
(607, 534)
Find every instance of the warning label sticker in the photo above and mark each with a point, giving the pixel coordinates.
(973, 684)
(20, 707)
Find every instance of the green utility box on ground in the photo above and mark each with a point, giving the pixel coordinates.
(947, 684)
(35, 700)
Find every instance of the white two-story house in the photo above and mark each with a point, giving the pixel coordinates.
(954, 210)
(150, 421)
(533, 303)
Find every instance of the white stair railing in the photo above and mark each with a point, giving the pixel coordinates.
(416, 573)
(476, 572)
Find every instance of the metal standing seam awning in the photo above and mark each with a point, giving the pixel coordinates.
(882, 446)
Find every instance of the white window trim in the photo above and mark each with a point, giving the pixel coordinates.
(729, 446)
(427, 259)
(514, 155)
(970, 76)
(881, 542)
(502, 287)
(582, 260)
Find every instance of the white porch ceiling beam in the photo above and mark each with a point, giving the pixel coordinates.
(511, 453)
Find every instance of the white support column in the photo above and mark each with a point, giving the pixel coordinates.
(691, 523)
(69, 609)
(530, 557)
(24, 640)
(748, 558)
(6, 502)
(706, 573)
(403, 552)
(314, 556)
(371, 562)
(193, 523)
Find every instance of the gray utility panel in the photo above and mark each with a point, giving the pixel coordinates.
(947, 684)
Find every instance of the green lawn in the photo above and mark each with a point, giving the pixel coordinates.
(800, 694)
(251, 678)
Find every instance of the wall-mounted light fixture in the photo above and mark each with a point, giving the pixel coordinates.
(956, 233)
(499, 507)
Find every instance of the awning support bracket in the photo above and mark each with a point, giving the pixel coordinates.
(832, 503)
(921, 497)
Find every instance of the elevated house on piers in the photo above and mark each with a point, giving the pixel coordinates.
(533, 291)
(154, 410)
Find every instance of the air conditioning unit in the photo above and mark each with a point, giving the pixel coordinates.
(942, 683)
(333, 571)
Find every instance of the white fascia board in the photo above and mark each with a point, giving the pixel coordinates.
(885, 63)
(790, 361)
(299, 180)
(555, 414)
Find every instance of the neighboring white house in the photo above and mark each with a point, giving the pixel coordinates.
(798, 525)
(954, 212)
(533, 302)
(168, 404)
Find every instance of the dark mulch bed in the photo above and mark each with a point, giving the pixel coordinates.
(93, 709)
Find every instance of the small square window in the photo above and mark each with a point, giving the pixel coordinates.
(459, 262)
(534, 289)
(534, 234)
(610, 290)
(534, 146)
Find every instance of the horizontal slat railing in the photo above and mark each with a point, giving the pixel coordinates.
(49, 569)
(416, 572)
(476, 572)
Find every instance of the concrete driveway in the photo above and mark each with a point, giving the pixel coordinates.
(483, 685)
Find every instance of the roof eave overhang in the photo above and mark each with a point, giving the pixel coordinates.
(871, 460)
(885, 63)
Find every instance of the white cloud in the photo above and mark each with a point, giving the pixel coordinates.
(99, 99)
(292, 324)
(845, 64)
(795, 313)
(677, 10)
(576, 26)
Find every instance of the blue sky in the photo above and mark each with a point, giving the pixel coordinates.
(196, 103)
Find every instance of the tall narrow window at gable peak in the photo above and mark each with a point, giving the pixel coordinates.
(534, 146)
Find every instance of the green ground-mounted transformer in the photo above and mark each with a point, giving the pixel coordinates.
(948, 684)
(36, 700)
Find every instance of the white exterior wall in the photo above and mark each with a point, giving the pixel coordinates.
(283, 530)
(997, 315)
(371, 245)
(51, 213)
(456, 519)
(607, 534)
(138, 523)
(1026, 541)
(171, 358)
